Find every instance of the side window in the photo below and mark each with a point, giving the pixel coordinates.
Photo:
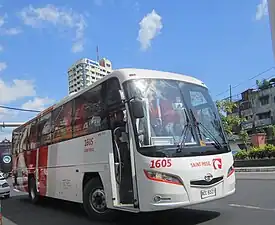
(112, 92)
(89, 116)
(15, 139)
(33, 135)
(24, 139)
(44, 129)
(62, 123)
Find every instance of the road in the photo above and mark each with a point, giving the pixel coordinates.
(253, 204)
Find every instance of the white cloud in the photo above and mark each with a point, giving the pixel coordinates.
(7, 31)
(18, 89)
(77, 47)
(1, 48)
(150, 27)
(262, 10)
(2, 20)
(38, 103)
(58, 17)
(7, 114)
(11, 31)
(3, 66)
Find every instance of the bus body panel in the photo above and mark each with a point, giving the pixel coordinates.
(187, 169)
(61, 167)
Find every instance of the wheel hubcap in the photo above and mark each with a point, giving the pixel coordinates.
(97, 201)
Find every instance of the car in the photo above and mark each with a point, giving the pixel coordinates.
(4, 187)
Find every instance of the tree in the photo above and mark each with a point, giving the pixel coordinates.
(225, 108)
(229, 120)
(264, 84)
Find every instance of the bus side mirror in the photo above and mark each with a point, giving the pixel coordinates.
(137, 107)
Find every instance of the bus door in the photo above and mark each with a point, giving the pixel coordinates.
(124, 190)
(122, 159)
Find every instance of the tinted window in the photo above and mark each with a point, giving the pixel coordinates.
(62, 122)
(90, 113)
(15, 141)
(112, 92)
(44, 129)
(33, 135)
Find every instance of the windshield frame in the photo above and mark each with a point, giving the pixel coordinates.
(187, 150)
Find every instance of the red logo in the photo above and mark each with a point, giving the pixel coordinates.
(217, 163)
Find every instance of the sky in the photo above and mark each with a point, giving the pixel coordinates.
(219, 42)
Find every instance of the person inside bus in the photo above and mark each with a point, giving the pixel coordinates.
(118, 121)
(162, 113)
(121, 138)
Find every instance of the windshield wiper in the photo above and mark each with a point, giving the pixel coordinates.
(184, 133)
(217, 144)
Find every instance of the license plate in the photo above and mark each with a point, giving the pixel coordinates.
(208, 193)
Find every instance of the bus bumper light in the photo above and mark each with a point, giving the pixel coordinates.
(163, 177)
(231, 170)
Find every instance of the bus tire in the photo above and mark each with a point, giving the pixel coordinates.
(94, 201)
(33, 195)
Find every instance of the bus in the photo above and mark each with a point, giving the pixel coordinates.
(136, 140)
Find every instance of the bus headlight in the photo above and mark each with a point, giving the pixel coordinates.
(231, 170)
(163, 177)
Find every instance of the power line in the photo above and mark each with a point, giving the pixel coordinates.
(255, 85)
(251, 78)
(19, 109)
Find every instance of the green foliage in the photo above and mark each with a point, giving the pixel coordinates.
(225, 108)
(268, 151)
(264, 84)
(244, 137)
(270, 131)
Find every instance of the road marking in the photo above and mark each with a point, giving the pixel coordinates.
(251, 207)
(16, 190)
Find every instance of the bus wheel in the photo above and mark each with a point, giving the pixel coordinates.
(33, 195)
(94, 200)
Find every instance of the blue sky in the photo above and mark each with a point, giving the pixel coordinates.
(219, 42)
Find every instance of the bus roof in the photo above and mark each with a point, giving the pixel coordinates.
(123, 75)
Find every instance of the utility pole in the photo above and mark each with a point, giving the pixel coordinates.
(230, 93)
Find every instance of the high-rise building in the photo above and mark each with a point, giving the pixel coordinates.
(86, 71)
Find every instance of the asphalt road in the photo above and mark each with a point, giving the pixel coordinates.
(253, 204)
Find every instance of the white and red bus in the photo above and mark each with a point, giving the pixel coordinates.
(136, 140)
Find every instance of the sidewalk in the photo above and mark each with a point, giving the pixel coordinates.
(255, 169)
(6, 221)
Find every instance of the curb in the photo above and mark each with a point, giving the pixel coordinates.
(6, 221)
(255, 169)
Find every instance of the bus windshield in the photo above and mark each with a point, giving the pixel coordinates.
(176, 113)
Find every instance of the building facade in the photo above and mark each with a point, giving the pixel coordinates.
(257, 107)
(85, 72)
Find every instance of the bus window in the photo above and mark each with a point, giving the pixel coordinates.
(33, 135)
(89, 116)
(62, 123)
(15, 139)
(112, 85)
(44, 129)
